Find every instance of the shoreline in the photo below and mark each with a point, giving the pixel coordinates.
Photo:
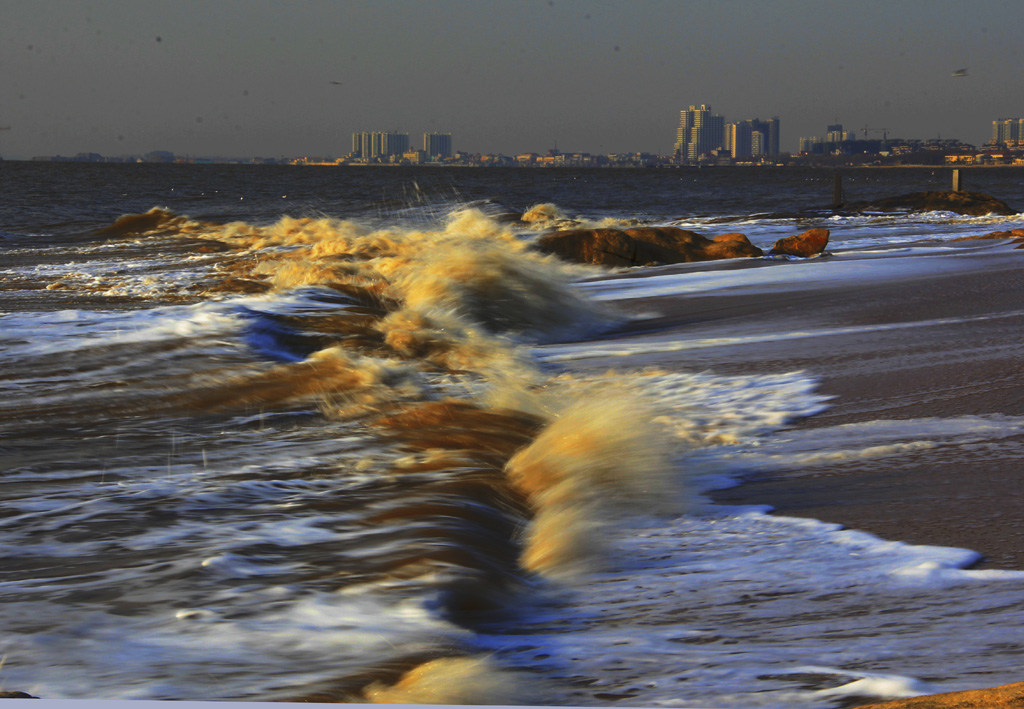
(940, 343)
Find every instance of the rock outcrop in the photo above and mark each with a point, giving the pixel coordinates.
(643, 246)
(1015, 235)
(1004, 697)
(810, 243)
(962, 202)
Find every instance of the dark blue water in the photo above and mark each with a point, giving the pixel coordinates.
(55, 198)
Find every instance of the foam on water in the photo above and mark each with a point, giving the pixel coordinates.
(360, 484)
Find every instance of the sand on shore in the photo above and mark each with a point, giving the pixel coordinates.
(946, 340)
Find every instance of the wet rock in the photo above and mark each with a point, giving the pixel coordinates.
(810, 243)
(1009, 695)
(16, 695)
(1016, 235)
(643, 246)
(963, 202)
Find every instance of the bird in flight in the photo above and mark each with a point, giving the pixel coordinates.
(960, 72)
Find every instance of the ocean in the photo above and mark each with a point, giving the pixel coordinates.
(275, 433)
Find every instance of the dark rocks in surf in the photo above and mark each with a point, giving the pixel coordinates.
(16, 695)
(811, 243)
(1014, 235)
(643, 246)
(974, 204)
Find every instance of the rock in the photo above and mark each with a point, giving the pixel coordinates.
(970, 203)
(1006, 696)
(1016, 235)
(16, 695)
(642, 246)
(811, 243)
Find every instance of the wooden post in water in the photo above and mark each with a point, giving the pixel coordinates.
(956, 181)
(837, 191)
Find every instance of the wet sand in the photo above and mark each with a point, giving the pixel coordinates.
(962, 354)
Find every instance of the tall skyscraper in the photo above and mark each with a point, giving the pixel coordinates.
(753, 138)
(392, 143)
(438, 145)
(836, 134)
(699, 133)
(757, 147)
(683, 133)
(738, 139)
(773, 147)
(1007, 131)
(379, 144)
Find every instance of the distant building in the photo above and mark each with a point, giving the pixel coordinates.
(438, 145)
(836, 134)
(699, 134)
(1008, 131)
(702, 135)
(757, 144)
(752, 138)
(737, 139)
(683, 133)
(414, 157)
(773, 146)
(808, 146)
(382, 145)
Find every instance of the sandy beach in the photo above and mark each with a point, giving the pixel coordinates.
(945, 340)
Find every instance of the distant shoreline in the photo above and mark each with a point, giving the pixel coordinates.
(246, 162)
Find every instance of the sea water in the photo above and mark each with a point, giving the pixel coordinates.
(329, 434)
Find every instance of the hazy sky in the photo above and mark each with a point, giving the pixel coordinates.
(257, 77)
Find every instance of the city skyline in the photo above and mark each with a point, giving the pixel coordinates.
(275, 78)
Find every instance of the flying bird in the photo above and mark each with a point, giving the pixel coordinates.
(960, 72)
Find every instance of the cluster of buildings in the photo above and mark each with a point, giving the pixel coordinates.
(840, 146)
(393, 147)
(704, 136)
(1008, 133)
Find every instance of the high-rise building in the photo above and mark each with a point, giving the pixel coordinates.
(1007, 131)
(810, 145)
(683, 133)
(836, 134)
(772, 147)
(379, 144)
(708, 133)
(392, 143)
(438, 145)
(757, 140)
(752, 138)
(699, 133)
(738, 139)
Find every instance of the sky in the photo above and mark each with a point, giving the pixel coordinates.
(276, 78)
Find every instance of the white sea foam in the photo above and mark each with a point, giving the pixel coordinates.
(737, 606)
(871, 440)
(30, 334)
(196, 651)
